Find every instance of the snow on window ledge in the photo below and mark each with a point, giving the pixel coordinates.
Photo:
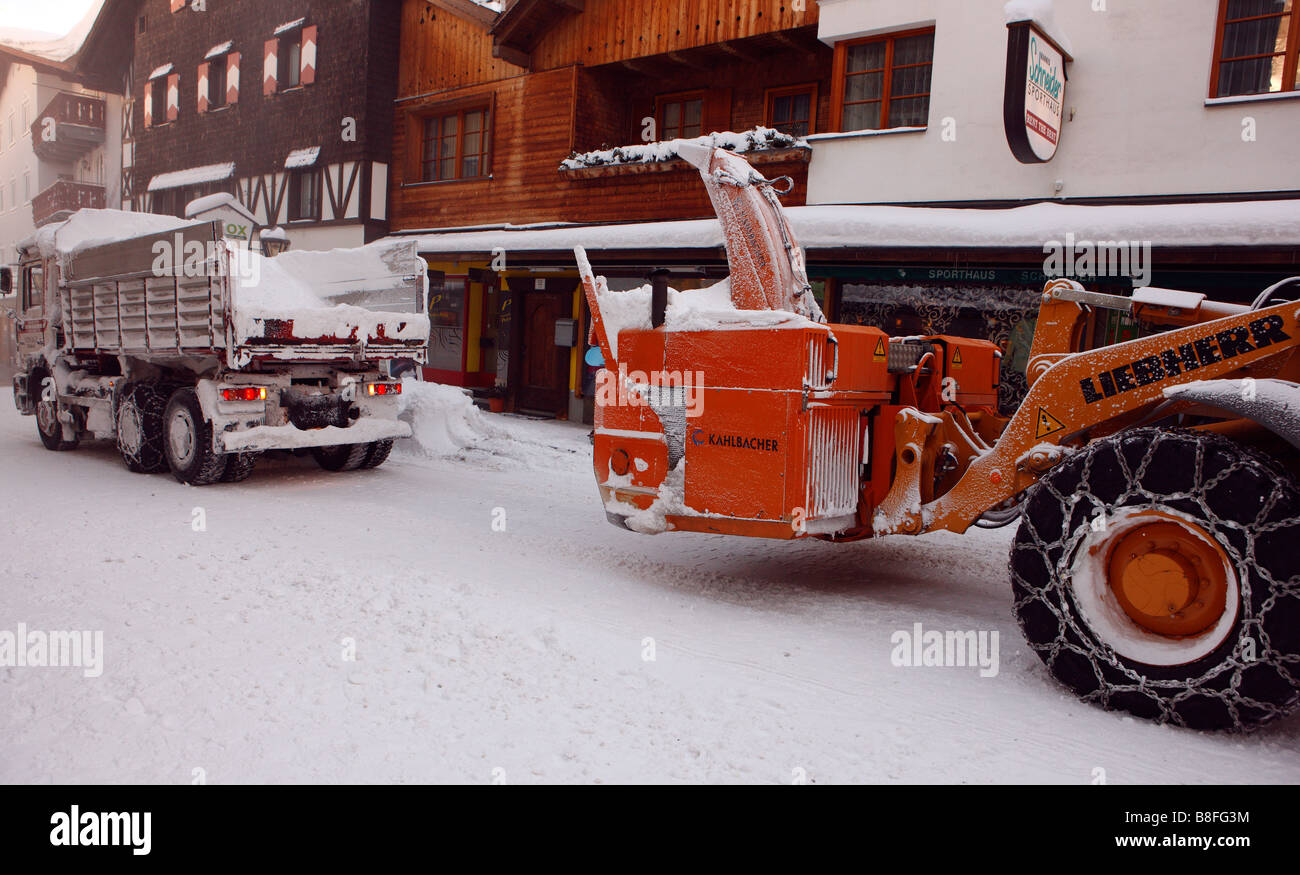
(757, 144)
(853, 135)
(1252, 98)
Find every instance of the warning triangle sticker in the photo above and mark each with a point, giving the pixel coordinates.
(956, 358)
(1047, 424)
(881, 352)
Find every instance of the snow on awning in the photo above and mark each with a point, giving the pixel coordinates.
(1202, 225)
(219, 50)
(289, 25)
(161, 71)
(192, 176)
(302, 158)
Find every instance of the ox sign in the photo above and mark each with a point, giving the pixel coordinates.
(1034, 105)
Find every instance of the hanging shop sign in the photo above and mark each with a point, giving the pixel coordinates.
(1034, 105)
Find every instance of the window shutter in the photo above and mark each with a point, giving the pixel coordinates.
(148, 104)
(232, 77)
(173, 97)
(270, 61)
(308, 55)
(178, 5)
(203, 87)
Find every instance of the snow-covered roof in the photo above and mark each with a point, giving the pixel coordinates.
(192, 176)
(216, 201)
(164, 70)
(49, 46)
(289, 25)
(1255, 223)
(219, 49)
(302, 158)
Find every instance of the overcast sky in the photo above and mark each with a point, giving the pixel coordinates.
(54, 16)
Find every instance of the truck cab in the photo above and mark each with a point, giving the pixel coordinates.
(33, 329)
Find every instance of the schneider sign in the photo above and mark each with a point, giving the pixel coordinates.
(1034, 107)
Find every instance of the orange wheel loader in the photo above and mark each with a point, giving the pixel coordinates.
(1156, 568)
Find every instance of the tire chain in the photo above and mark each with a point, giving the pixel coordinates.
(1222, 681)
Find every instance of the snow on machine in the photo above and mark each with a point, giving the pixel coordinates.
(196, 355)
(1155, 481)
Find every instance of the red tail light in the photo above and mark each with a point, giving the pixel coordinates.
(244, 393)
(384, 388)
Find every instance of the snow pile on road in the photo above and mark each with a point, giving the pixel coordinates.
(1042, 13)
(754, 140)
(445, 423)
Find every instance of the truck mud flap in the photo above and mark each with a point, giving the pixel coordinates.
(309, 411)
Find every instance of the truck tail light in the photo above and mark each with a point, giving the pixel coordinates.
(384, 389)
(244, 393)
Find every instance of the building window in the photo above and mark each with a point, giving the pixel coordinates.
(884, 82)
(27, 187)
(680, 116)
(1256, 48)
(217, 82)
(143, 25)
(793, 110)
(291, 59)
(158, 96)
(455, 146)
(304, 195)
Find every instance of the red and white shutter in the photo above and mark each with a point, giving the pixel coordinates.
(308, 55)
(232, 77)
(270, 65)
(148, 104)
(173, 97)
(178, 5)
(203, 87)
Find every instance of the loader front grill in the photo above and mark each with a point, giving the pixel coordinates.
(833, 449)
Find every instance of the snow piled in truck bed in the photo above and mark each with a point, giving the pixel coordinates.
(87, 228)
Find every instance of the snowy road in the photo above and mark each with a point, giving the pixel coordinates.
(514, 655)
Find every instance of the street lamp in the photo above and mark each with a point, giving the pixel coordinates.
(274, 242)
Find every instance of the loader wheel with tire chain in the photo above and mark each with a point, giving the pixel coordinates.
(188, 441)
(344, 457)
(239, 467)
(55, 435)
(1156, 572)
(139, 427)
(378, 454)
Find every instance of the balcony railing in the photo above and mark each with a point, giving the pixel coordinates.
(66, 196)
(70, 126)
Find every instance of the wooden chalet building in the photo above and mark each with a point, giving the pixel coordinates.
(492, 101)
(285, 105)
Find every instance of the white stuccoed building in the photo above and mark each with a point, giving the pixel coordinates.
(1154, 107)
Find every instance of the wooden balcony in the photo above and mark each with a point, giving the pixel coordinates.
(69, 127)
(64, 197)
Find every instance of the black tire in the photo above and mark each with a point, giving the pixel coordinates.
(239, 467)
(55, 435)
(139, 427)
(1239, 674)
(187, 441)
(345, 457)
(377, 454)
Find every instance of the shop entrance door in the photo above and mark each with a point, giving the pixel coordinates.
(544, 377)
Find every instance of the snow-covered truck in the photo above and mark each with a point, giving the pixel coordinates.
(195, 354)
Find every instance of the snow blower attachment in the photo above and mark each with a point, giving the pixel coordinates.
(1154, 569)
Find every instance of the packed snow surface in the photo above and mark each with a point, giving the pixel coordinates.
(504, 630)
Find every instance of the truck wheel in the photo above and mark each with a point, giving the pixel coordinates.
(239, 467)
(346, 457)
(54, 434)
(377, 454)
(188, 441)
(140, 428)
(1155, 573)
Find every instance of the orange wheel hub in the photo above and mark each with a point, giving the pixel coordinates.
(1169, 576)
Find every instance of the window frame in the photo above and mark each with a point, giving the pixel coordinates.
(771, 95)
(294, 197)
(424, 119)
(839, 76)
(221, 63)
(1290, 62)
(158, 97)
(285, 70)
(681, 97)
